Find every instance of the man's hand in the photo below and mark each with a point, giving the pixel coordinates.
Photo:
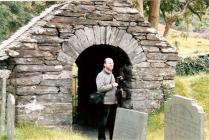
(115, 84)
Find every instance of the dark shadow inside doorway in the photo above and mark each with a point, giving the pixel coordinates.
(90, 63)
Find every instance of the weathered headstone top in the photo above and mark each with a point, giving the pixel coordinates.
(184, 119)
(4, 73)
(130, 125)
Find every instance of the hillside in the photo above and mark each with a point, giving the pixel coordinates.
(190, 45)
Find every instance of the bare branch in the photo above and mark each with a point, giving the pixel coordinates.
(194, 12)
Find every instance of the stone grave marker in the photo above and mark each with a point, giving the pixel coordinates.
(184, 119)
(10, 117)
(4, 75)
(130, 125)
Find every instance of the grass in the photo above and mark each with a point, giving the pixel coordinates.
(155, 125)
(195, 87)
(35, 132)
(190, 46)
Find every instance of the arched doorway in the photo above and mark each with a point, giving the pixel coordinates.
(90, 63)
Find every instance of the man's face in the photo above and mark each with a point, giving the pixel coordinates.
(109, 64)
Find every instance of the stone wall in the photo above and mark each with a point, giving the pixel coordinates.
(46, 51)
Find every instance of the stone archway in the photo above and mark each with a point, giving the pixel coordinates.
(100, 38)
(97, 35)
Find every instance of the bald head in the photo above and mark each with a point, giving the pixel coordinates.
(108, 64)
(108, 60)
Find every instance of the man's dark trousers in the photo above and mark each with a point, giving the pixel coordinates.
(107, 114)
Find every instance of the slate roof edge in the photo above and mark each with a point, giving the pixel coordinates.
(32, 22)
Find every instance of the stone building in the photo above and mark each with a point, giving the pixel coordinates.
(41, 56)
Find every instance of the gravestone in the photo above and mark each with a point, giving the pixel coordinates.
(130, 125)
(4, 75)
(10, 116)
(184, 119)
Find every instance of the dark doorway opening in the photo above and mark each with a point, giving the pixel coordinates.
(90, 63)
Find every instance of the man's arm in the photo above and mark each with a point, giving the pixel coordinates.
(100, 84)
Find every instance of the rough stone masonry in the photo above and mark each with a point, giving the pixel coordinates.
(41, 54)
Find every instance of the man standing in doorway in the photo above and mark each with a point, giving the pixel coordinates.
(105, 82)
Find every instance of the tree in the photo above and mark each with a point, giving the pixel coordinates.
(171, 15)
(154, 10)
(15, 14)
(172, 10)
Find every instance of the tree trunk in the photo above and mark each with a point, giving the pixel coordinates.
(167, 28)
(139, 7)
(170, 20)
(154, 13)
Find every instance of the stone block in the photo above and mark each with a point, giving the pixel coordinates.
(75, 44)
(157, 56)
(31, 53)
(113, 36)
(99, 16)
(44, 31)
(28, 61)
(64, 58)
(151, 49)
(168, 84)
(97, 34)
(45, 98)
(26, 74)
(56, 82)
(150, 42)
(71, 13)
(63, 75)
(69, 50)
(27, 46)
(60, 119)
(143, 65)
(168, 50)
(128, 17)
(171, 63)
(141, 57)
(158, 65)
(125, 41)
(50, 40)
(49, 48)
(102, 35)
(125, 10)
(36, 90)
(147, 84)
(44, 108)
(90, 35)
(138, 29)
(38, 68)
(33, 80)
(114, 23)
(51, 62)
(83, 39)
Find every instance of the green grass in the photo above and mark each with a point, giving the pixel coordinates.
(155, 125)
(195, 87)
(34, 132)
(190, 46)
